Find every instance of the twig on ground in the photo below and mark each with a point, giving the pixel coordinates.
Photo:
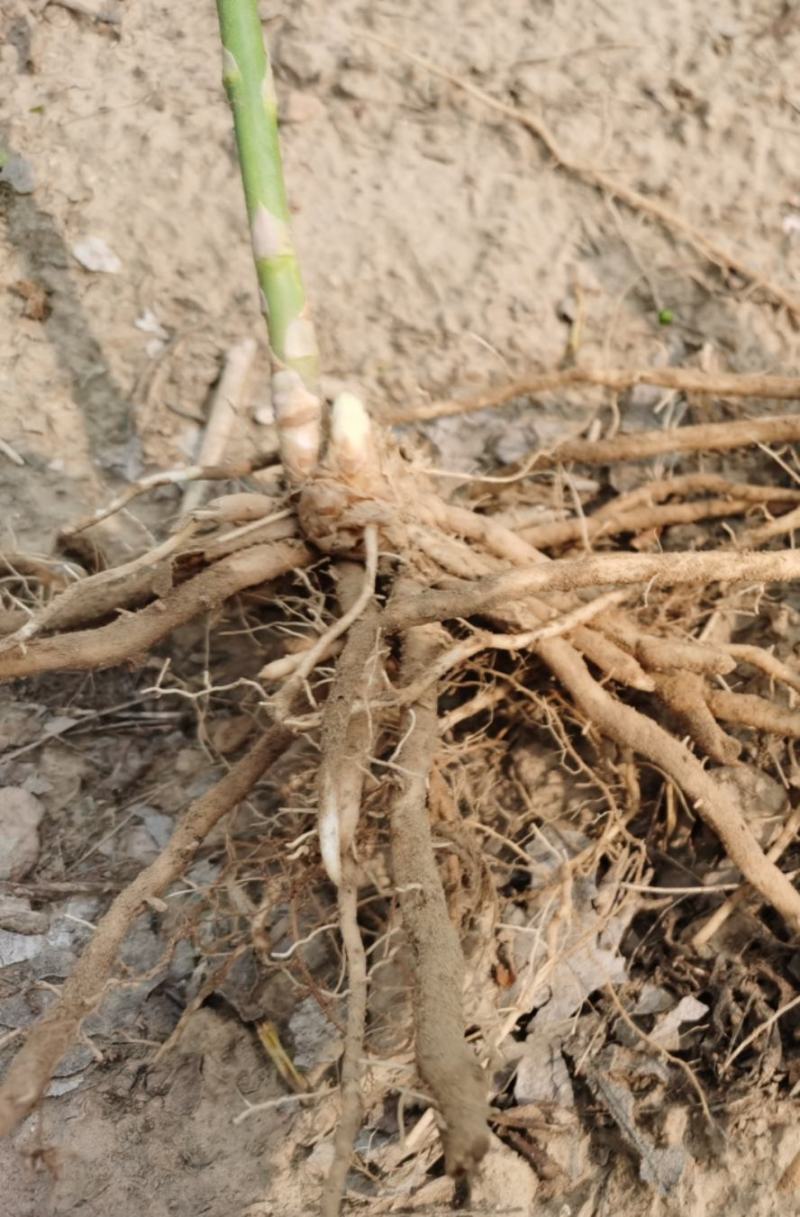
(222, 415)
(759, 1030)
(11, 453)
(446, 1063)
(32, 1067)
(607, 185)
(168, 477)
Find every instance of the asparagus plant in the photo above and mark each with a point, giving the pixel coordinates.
(247, 75)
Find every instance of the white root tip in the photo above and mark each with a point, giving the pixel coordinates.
(329, 841)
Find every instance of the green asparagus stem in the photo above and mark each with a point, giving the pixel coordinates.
(247, 76)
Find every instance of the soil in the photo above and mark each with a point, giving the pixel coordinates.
(442, 251)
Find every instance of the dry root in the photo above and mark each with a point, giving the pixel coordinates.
(365, 504)
(32, 1067)
(132, 636)
(446, 1064)
(346, 741)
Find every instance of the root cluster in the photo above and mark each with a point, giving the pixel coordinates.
(444, 618)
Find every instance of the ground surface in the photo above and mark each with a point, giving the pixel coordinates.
(442, 250)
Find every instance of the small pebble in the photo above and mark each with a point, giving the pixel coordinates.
(95, 254)
(17, 916)
(20, 815)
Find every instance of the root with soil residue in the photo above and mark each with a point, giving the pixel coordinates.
(443, 615)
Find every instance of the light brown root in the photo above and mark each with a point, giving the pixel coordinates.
(346, 742)
(32, 1067)
(352, 1069)
(347, 732)
(590, 528)
(683, 380)
(607, 186)
(483, 640)
(713, 803)
(749, 710)
(105, 592)
(486, 700)
(640, 445)
(775, 528)
(668, 654)
(594, 570)
(718, 918)
(278, 526)
(446, 1063)
(766, 662)
(503, 544)
(683, 484)
(130, 636)
(685, 694)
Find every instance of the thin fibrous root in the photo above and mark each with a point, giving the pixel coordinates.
(446, 1063)
(309, 659)
(713, 803)
(131, 636)
(682, 380)
(32, 1067)
(593, 570)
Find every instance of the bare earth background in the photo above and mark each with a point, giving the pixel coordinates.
(442, 251)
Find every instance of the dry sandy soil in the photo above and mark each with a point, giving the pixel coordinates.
(442, 251)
